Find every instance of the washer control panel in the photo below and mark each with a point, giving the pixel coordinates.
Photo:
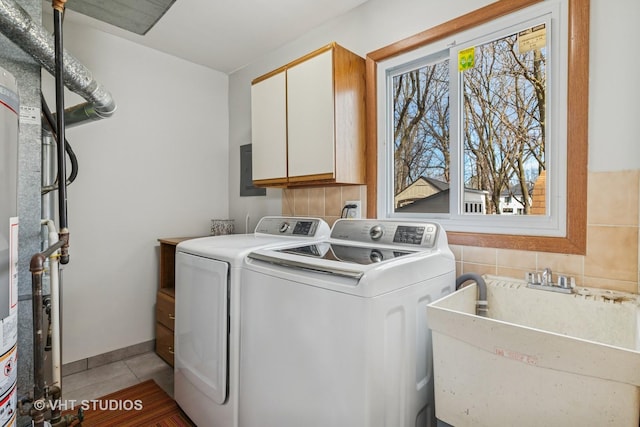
(386, 232)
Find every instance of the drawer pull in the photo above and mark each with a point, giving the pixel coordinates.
(171, 350)
(172, 317)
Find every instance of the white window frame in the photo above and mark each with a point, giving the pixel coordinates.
(554, 13)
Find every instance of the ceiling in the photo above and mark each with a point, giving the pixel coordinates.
(224, 35)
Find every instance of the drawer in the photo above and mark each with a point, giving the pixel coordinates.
(164, 343)
(165, 306)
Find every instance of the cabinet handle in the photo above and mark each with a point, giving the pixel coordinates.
(172, 317)
(171, 350)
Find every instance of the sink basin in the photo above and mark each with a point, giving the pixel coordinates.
(538, 358)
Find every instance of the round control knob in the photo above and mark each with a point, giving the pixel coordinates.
(376, 232)
(284, 227)
(376, 256)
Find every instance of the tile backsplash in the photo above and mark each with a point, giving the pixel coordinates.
(613, 237)
(322, 202)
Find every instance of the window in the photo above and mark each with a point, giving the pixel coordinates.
(477, 124)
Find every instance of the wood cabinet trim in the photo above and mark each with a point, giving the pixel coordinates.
(269, 74)
(295, 62)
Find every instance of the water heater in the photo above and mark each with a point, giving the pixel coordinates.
(9, 118)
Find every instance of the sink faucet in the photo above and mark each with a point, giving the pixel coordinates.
(545, 281)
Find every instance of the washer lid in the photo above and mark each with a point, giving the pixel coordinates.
(337, 259)
(347, 253)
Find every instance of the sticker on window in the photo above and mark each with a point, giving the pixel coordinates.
(466, 59)
(532, 38)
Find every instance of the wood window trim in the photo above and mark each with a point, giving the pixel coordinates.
(575, 241)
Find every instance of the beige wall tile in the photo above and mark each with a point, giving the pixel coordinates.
(350, 192)
(470, 267)
(612, 253)
(613, 198)
(517, 273)
(287, 202)
(564, 264)
(614, 285)
(301, 201)
(317, 202)
(479, 255)
(521, 260)
(333, 201)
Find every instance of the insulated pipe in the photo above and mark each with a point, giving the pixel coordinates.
(17, 25)
(481, 304)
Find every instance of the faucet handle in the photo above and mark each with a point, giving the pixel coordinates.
(566, 282)
(531, 277)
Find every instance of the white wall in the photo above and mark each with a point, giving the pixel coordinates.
(614, 111)
(614, 87)
(157, 168)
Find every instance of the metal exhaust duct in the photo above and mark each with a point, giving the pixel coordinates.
(16, 24)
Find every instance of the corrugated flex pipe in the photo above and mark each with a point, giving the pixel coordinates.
(16, 24)
(482, 307)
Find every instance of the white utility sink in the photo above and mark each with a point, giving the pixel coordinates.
(538, 359)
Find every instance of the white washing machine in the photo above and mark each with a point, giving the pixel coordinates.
(208, 275)
(335, 333)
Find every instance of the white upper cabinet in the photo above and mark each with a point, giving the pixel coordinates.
(319, 133)
(269, 128)
(310, 130)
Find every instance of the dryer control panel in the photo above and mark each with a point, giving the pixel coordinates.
(293, 226)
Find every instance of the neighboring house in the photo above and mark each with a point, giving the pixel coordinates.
(419, 189)
(475, 201)
(510, 204)
(431, 195)
(510, 201)
(435, 203)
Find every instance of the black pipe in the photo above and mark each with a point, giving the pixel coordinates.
(58, 10)
(51, 123)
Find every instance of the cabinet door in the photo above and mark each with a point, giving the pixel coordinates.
(269, 128)
(311, 145)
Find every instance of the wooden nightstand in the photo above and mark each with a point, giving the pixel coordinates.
(165, 298)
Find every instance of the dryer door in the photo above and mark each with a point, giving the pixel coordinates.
(201, 325)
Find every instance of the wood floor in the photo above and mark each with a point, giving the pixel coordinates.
(141, 405)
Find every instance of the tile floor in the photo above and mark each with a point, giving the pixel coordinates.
(99, 381)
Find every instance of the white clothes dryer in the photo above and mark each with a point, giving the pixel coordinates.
(335, 333)
(208, 276)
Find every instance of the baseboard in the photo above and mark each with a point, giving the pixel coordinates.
(109, 357)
